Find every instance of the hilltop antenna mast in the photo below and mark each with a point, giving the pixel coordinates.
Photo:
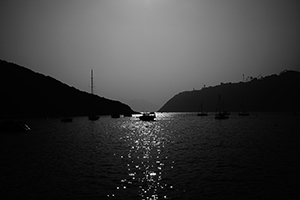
(92, 85)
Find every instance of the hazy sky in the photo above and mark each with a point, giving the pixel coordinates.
(150, 49)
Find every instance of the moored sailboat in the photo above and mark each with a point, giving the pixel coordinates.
(201, 113)
(220, 113)
(67, 119)
(242, 111)
(115, 115)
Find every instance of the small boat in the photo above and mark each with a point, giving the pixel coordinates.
(226, 112)
(12, 126)
(242, 112)
(67, 119)
(93, 117)
(201, 113)
(148, 116)
(115, 115)
(220, 113)
(294, 113)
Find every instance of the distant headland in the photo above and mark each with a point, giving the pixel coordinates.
(270, 93)
(25, 93)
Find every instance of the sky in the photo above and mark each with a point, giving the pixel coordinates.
(150, 49)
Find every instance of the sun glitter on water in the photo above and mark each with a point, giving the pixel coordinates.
(145, 160)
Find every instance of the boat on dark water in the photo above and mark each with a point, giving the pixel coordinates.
(148, 116)
(115, 115)
(12, 126)
(67, 119)
(201, 113)
(93, 117)
(295, 113)
(242, 111)
(220, 113)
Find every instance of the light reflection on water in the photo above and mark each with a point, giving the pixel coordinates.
(145, 159)
(179, 156)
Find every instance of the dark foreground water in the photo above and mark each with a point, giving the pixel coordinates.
(179, 156)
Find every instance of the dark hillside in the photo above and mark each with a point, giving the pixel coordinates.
(27, 93)
(271, 93)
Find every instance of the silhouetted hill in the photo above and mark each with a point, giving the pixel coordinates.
(272, 93)
(27, 93)
(142, 105)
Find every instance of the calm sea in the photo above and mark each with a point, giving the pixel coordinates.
(178, 156)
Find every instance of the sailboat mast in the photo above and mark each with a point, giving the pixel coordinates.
(92, 86)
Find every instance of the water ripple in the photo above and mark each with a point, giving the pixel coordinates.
(145, 158)
(178, 156)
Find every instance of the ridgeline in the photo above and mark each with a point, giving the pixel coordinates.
(25, 93)
(271, 93)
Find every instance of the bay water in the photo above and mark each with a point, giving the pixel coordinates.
(178, 156)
